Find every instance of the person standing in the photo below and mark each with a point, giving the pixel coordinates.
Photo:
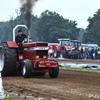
(87, 53)
(82, 52)
(92, 51)
(95, 53)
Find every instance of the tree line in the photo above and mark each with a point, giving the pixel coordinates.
(92, 32)
(51, 25)
(47, 27)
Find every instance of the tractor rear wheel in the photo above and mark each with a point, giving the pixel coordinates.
(63, 54)
(27, 68)
(8, 58)
(56, 53)
(53, 73)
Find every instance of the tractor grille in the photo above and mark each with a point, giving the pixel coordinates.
(41, 53)
(41, 44)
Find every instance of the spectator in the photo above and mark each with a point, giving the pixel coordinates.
(96, 54)
(87, 53)
(92, 51)
(82, 52)
(98, 48)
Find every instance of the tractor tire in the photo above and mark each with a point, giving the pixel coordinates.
(67, 56)
(27, 68)
(63, 54)
(53, 73)
(77, 56)
(56, 53)
(8, 59)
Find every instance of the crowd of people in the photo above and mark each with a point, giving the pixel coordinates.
(89, 53)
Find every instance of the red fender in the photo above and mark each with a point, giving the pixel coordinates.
(58, 48)
(79, 49)
(11, 44)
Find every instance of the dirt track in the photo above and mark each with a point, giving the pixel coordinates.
(78, 61)
(70, 85)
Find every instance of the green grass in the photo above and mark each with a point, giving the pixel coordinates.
(10, 98)
(83, 69)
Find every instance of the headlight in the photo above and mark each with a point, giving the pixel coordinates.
(37, 56)
(44, 56)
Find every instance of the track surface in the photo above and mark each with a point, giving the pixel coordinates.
(69, 85)
(79, 61)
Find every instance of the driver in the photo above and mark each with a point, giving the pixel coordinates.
(20, 37)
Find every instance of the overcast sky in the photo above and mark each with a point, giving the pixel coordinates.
(78, 10)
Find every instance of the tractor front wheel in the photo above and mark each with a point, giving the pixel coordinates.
(53, 73)
(27, 68)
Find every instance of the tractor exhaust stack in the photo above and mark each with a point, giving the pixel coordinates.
(28, 35)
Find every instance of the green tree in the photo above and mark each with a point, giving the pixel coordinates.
(92, 34)
(47, 27)
(51, 25)
(81, 32)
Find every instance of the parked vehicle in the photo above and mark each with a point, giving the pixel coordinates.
(76, 51)
(51, 48)
(67, 48)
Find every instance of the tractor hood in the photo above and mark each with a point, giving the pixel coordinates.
(68, 47)
(35, 44)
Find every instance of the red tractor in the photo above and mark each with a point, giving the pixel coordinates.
(33, 59)
(51, 48)
(67, 49)
(75, 51)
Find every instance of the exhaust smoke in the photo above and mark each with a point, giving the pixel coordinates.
(27, 5)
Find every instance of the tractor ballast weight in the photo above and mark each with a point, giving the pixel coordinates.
(33, 59)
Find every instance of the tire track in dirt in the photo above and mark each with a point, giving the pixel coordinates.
(70, 85)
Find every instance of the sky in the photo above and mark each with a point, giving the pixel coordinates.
(76, 10)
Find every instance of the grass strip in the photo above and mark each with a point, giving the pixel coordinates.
(83, 69)
(10, 98)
